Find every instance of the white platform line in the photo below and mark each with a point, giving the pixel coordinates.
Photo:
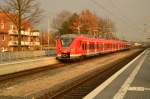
(124, 88)
(95, 92)
(138, 89)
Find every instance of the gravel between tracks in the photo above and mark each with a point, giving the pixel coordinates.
(50, 84)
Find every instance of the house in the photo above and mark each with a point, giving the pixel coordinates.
(9, 36)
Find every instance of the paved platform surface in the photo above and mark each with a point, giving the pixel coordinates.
(131, 82)
(16, 66)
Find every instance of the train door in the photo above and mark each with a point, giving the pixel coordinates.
(92, 45)
(118, 46)
(100, 46)
(103, 46)
(95, 47)
(114, 46)
(110, 46)
(106, 46)
(88, 48)
(84, 47)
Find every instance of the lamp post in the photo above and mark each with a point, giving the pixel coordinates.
(78, 28)
(48, 30)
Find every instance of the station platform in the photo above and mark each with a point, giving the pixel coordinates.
(130, 82)
(22, 65)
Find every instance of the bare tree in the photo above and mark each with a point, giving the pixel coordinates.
(21, 11)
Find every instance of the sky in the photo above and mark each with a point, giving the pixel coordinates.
(131, 17)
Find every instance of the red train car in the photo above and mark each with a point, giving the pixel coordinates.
(72, 46)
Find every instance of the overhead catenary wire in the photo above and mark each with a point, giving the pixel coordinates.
(125, 17)
(121, 18)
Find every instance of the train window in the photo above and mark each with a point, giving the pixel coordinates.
(84, 46)
(66, 41)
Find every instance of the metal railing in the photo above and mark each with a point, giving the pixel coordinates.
(12, 56)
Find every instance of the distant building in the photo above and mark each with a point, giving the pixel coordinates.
(9, 36)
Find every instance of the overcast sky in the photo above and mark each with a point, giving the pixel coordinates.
(129, 16)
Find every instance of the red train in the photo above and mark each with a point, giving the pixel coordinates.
(73, 46)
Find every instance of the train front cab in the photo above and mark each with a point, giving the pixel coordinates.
(66, 47)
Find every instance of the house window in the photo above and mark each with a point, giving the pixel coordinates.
(12, 38)
(2, 49)
(2, 26)
(11, 27)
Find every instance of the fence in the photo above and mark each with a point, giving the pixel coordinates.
(10, 56)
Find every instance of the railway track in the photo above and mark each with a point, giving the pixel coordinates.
(30, 72)
(7, 81)
(85, 86)
(43, 69)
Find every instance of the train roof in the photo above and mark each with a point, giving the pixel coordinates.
(85, 36)
(69, 35)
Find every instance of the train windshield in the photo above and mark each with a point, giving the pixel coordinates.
(67, 40)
